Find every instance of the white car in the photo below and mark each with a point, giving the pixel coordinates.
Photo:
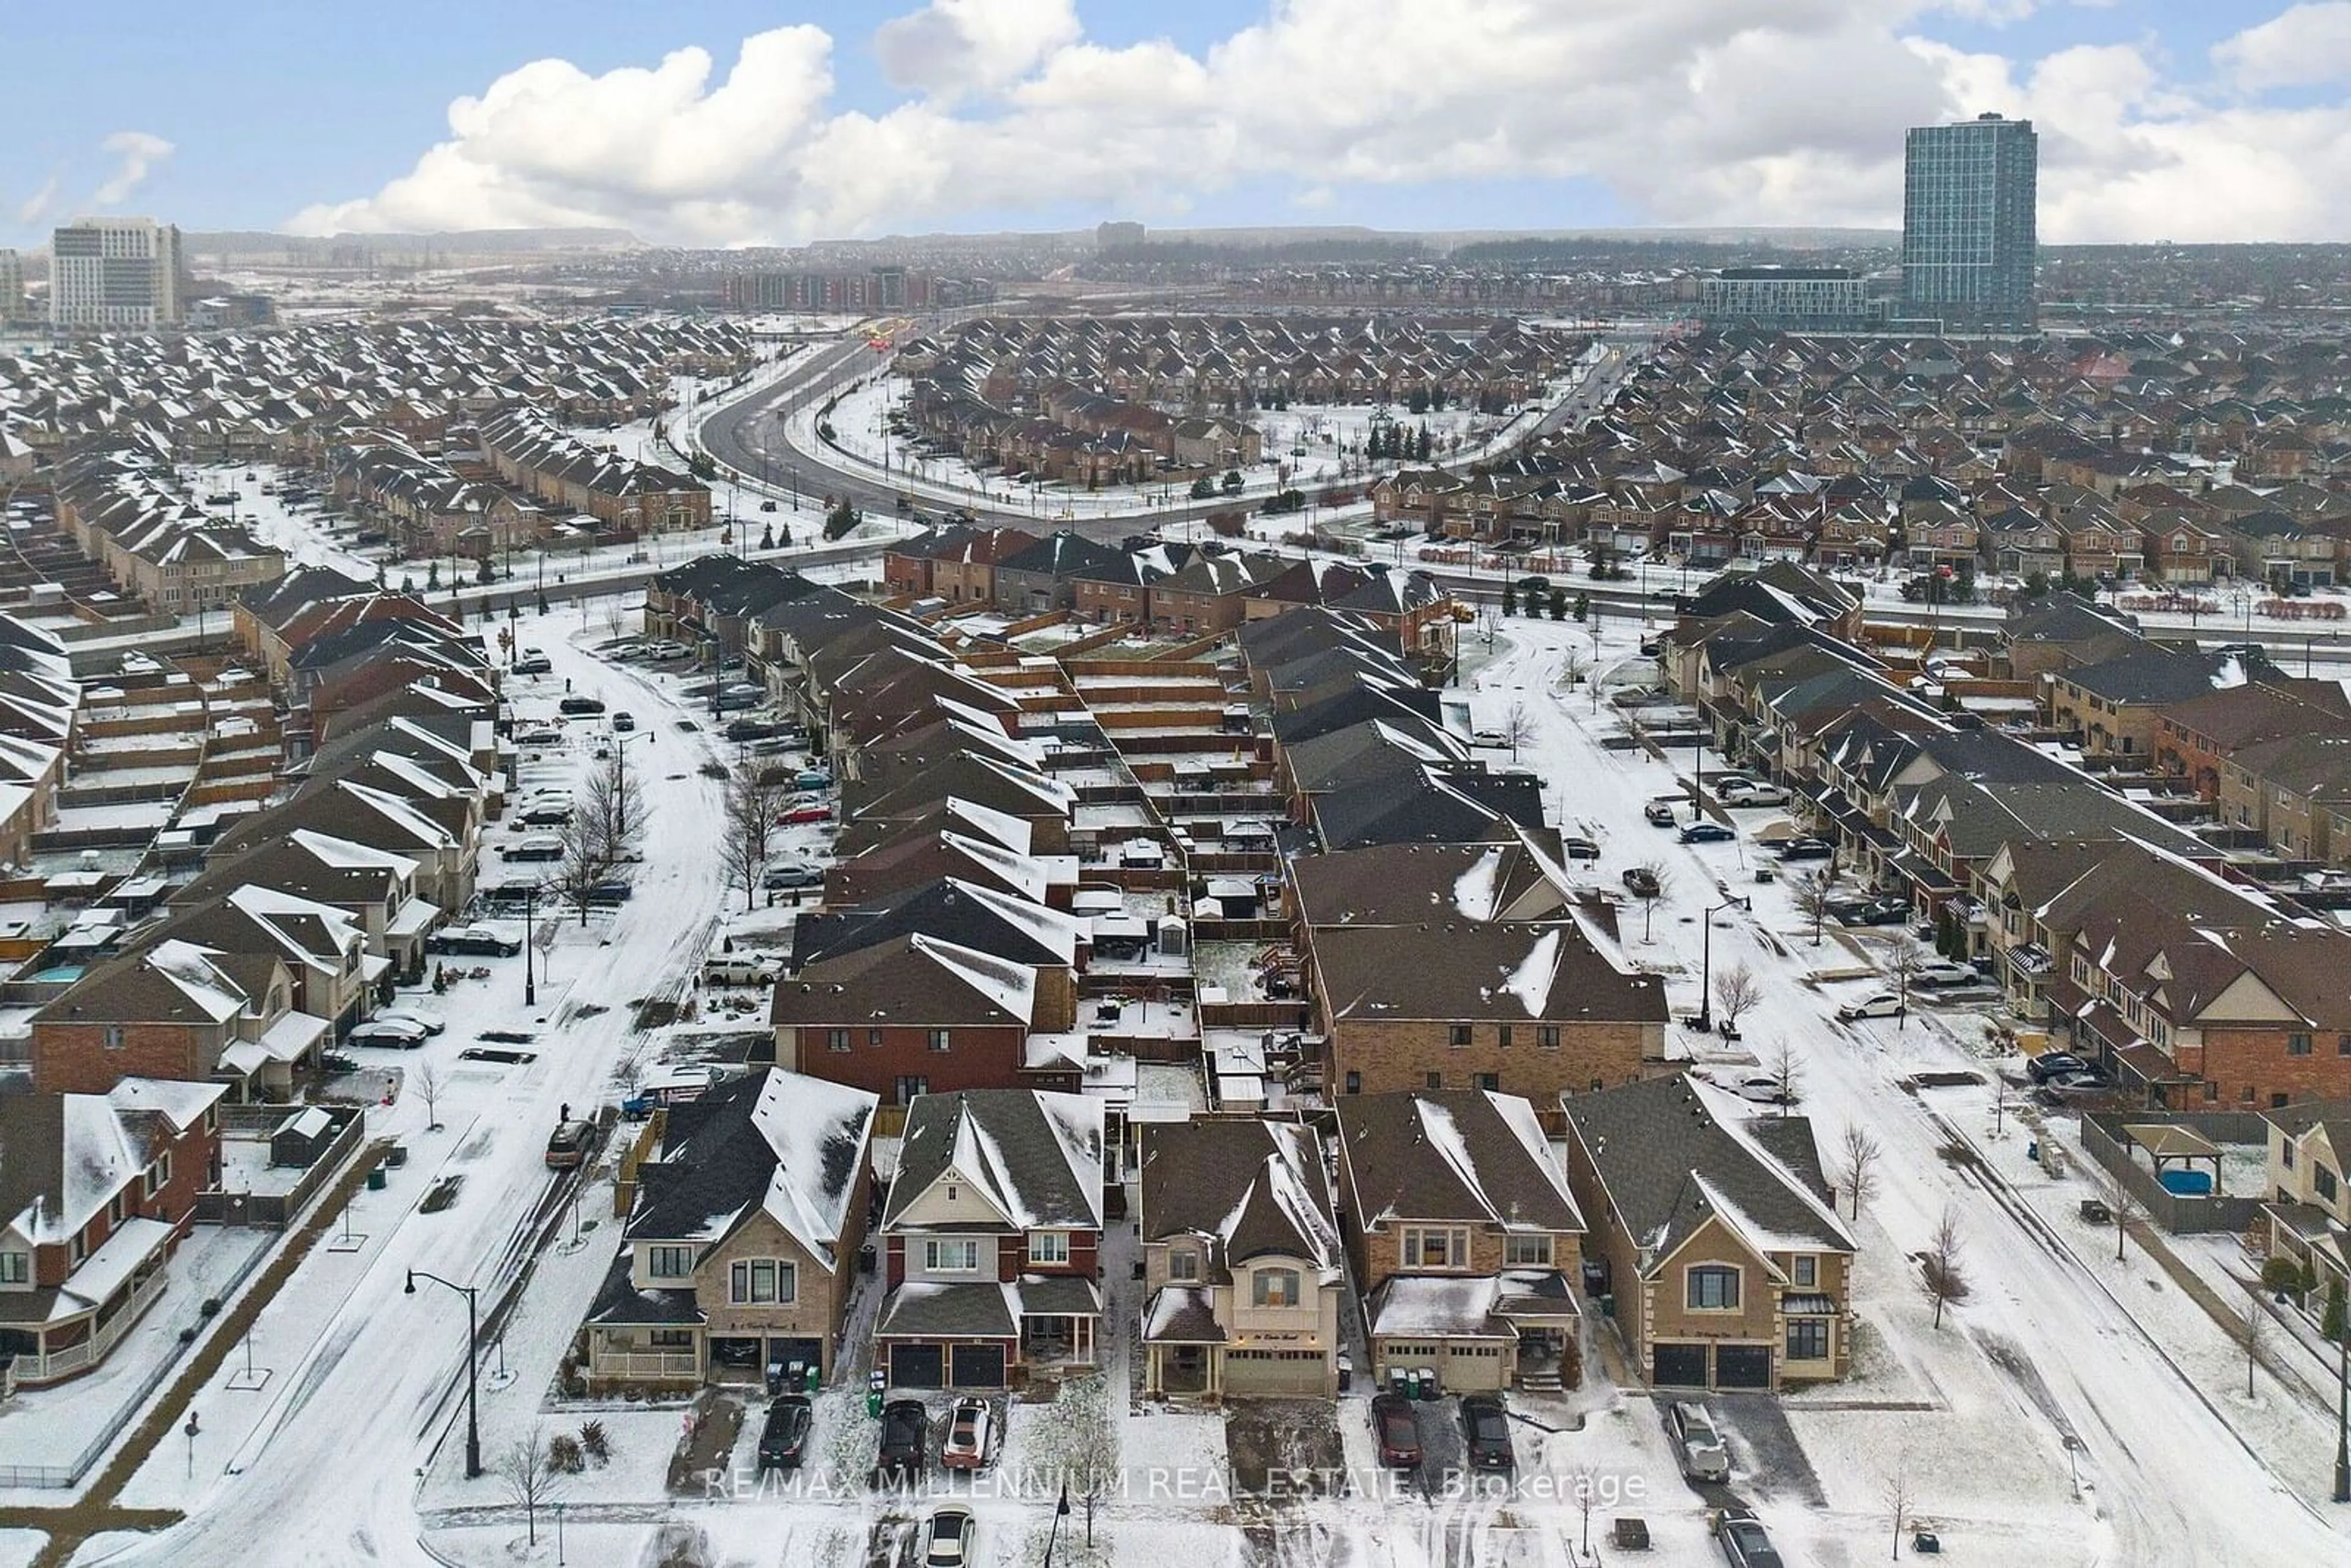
(946, 1539)
(1753, 795)
(1883, 1005)
(1943, 972)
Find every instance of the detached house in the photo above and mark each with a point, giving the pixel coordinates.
(1242, 1269)
(1463, 1235)
(1716, 1236)
(746, 1211)
(96, 1190)
(992, 1228)
(2309, 1211)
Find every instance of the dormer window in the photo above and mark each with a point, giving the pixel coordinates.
(1183, 1263)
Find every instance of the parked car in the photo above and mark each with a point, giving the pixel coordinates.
(1660, 813)
(970, 1435)
(906, 1438)
(623, 722)
(1396, 1425)
(745, 969)
(1580, 849)
(1883, 1005)
(813, 778)
(1641, 882)
(397, 1033)
(1943, 972)
(749, 728)
(666, 648)
(566, 1146)
(474, 941)
(547, 814)
(579, 706)
(1486, 1433)
(332, 1061)
(1707, 833)
(812, 811)
(1743, 1541)
(2050, 1064)
(1696, 1444)
(783, 1439)
(533, 664)
(790, 876)
(1762, 1089)
(431, 1023)
(767, 506)
(2064, 1087)
(535, 847)
(946, 1540)
(610, 893)
(1803, 849)
(1872, 911)
(539, 736)
(1754, 795)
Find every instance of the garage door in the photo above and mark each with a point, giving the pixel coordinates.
(917, 1366)
(979, 1366)
(1677, 1365)
(1742, 1366)
(1275, 1374)
(1471, 1368)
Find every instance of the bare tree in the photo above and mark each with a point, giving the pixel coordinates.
(1518, 726)
(1651, 890)
(582, 866)
(1735, 989)
(1942, 1273)
(612, 809)
(1572, 668)
(1904, 960)
(1857, 1165)
(1786, 1072)
(543, 938)
(1815, 891)
(1898, 1500)
(531, 1476)
(2122, 1202)
(426, 1079)
(750, 824)
(1584, 1481)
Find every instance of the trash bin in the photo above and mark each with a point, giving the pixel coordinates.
(873, 1404)
(1428, 1386)
(1408, 1383)
(814, 1379)
(376, 1179)
(1764, 873)
(2033, 1150)
(775, 1378)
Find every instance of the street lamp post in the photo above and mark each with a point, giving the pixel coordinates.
(472, 1337)
(530, 977)
(1705, 960)
(2342, 1414)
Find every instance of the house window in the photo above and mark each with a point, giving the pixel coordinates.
(950, 1257)
(836, 1039)
(1354, 1082)
(159, 1175)
(1048, 1247)
(670, 1338)
(1547, 1036)
(2322, 1182)
(1527, 1252)
(939, 1039)
(1274, 1288)
(1805, 1272)
(2342, 1045)
(911, 1086)
(874, 1038)
(2297, 1045)
(1808, 1339)
(1713, 1287)
(1432, 1080)
(1183, 1264)
(15, 1268)
(668, 1261)
(762, 1282)
(1491, 1083)
(113, 1037)
(1502, 1034)
(1460, 1034)
(77, 1248)
(116, 1208)
(1436, 1247)
(2286, 1154)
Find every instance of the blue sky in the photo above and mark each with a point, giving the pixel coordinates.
(272, 108)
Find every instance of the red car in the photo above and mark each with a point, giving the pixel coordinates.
(1397, 1426)
(800, 814)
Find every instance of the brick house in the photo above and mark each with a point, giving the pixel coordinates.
(917, 1016)
(175, 1011)
(1463, 1236)
(1717, 1236)
(95, 1193)
(744, 1209)
(991, 1232)
(1242, 1272)
(964, 570)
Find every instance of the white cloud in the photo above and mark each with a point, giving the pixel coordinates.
(2303, 44)
(34, 207)
(139, 153)
(950, 45)
(1712, 111)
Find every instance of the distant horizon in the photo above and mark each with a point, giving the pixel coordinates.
(717, 124)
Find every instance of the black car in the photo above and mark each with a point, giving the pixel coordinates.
(751, 728)
(472, 941)
(2049, 1063)
(577, 706)
(1806, 850)
(1580, 849)
(906, 1438)
(555, 814)
(1641, 882)
(608, 894)
(783, 1439)
(1707, 833)
(1485, 1432)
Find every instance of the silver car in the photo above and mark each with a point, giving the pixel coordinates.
(1703, 1455)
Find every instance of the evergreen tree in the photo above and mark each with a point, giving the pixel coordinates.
(1420, 445)
(1510, 598)
(1559, 603)
(431, 577)
(487, 574)
(767, 536)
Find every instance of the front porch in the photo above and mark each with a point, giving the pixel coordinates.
(49, 1335)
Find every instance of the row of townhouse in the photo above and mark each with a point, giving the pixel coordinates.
(124, 508)
(533, 454)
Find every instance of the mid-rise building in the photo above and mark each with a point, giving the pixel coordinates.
(121, 273)
(1969, 234)
(1801, 299)
(12, 285)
